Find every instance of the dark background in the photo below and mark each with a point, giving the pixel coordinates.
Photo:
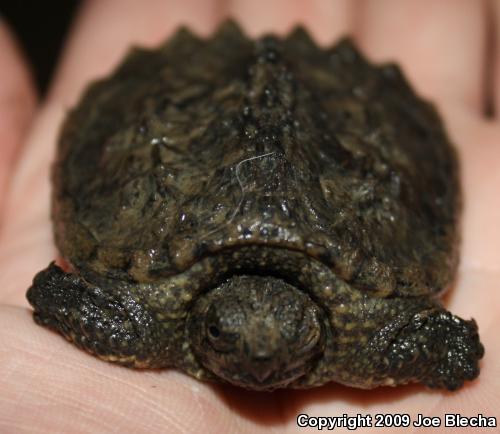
(40, 27)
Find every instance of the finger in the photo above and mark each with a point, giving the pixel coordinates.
(17, 103)
(480, 158)
(327, 20)
(495, 53)
(105, 31)
(441, 45)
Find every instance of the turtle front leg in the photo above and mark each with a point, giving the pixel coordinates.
(436, 348)
(376, 341)
(112, 325)
(401, 340)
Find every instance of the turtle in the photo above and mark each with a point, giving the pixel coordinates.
(265, 212)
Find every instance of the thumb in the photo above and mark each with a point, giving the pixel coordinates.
(17, 104)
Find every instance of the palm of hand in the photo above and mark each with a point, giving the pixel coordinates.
(50, 385)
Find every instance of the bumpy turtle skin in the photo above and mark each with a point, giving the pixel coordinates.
(390, 341)
(119, 326)
(209, 158)
(372, 341)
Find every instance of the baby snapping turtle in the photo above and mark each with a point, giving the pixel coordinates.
(265, 213)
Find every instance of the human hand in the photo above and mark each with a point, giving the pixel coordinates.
(47, 385)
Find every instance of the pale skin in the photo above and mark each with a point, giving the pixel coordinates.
(48, 385)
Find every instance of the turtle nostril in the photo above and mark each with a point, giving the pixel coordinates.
(262, 356)
(260, 363)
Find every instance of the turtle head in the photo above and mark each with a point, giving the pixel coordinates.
(256, 332)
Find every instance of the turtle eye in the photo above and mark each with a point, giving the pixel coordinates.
(213, 332)
(221, 341)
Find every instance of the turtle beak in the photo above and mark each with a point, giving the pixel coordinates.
(260, 352)
(261, 370)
